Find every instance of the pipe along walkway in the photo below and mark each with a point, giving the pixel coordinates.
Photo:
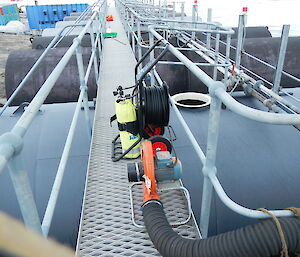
(106, 228)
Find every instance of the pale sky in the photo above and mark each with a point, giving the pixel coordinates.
(272, 13)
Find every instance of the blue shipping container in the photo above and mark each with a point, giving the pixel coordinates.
(45, 16)
(8, 13)
(2, 20)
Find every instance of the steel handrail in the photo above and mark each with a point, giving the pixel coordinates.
(260, 61)
(217, 26)
(11, 143)
(219, 94)
(231, 103)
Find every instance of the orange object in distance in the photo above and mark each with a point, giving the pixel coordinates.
(149, 184)
(109, 18)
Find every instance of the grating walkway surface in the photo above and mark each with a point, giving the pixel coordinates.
(106, 227)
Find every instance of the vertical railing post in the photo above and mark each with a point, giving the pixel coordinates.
(281, 57)
(103, 26)
(159, 8)
(132, 34)
(100, 40)
(82, 85)
(139, 38)
(228, 42)
(24, 193)
(210, 162)
(240, 40)
(128, 20)
(174, 10)
(194, 19)
(208, 35)
(95, 55)
(151, 42)
(182, 11)
(217, 44)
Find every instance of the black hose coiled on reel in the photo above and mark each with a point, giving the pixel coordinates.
(154, 107)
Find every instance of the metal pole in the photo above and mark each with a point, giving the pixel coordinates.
(215, 73)
(151, 42)
(174, 10)
(205, 206)
(194, 20)
(159, 8)
(228, 42)
(210, 163)
(98, 44)
(101, 32)
(182, 11)
(61, 170)
(196, 11)
(83, 86)
(208, 35)
(240, 41)
(281, 57)
(132, 34)
(94, 51)
(139, 38)
(189, 133)
(24, 194)
(88, 70)
(125, 22)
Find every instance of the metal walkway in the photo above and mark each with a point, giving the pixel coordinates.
(106, 227)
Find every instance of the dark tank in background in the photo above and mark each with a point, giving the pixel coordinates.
(258, 42)
(66, 41)
(66, 88)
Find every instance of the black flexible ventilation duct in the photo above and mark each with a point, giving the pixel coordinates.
(259, 240)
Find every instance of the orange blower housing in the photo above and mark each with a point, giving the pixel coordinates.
(149, 184)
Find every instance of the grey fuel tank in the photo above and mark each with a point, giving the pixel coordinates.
(66, 88)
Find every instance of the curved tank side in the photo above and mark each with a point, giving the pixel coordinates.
(67, 86)
(43, 147)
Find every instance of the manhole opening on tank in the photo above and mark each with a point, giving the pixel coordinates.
(191, 99)
(191, 102)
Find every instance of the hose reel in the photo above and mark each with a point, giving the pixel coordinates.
(141, 114)
(153, 110)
